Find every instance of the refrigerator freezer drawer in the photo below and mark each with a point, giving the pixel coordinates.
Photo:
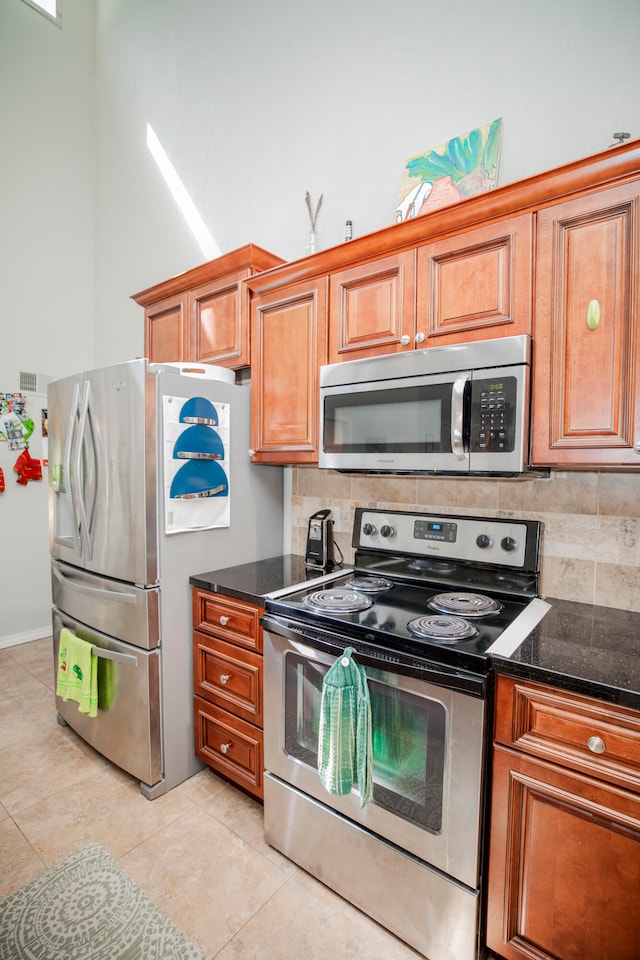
(127, 728)
(117, 609)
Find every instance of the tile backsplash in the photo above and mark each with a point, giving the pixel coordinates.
(591, 537)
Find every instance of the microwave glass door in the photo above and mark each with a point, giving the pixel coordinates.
(391, 420)
(408, 741)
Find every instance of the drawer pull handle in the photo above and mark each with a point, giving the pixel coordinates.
(225, 747)
(224, 621)
(596, 745)
(225, 677)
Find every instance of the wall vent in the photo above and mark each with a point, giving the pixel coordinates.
(34, 382)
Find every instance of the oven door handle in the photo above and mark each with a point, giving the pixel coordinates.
(377, 666)
(457, 414)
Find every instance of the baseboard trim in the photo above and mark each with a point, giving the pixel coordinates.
(38, 633)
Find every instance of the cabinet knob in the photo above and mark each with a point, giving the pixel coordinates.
(225, 747)
(636, 446)
(405, 339)
(419, 338)
(596, 745)
(593, 314)
(225, 677)
(224, 621)
(251, 452)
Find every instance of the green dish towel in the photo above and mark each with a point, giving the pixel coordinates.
(77, 673)
(344, 745)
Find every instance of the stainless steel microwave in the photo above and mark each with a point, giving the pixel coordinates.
(453, 410)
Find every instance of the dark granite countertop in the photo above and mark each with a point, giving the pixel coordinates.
(252, 581)
(576, 646)
(582, 648)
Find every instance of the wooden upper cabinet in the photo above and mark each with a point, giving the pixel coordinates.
(476, 285)
(202, 315)
(288, 345)
(586, 404)
(372, 307)
(220, 322)
(166, 329)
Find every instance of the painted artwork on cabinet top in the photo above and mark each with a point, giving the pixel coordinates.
(462, 167)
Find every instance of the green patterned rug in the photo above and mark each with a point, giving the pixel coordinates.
(87, 908)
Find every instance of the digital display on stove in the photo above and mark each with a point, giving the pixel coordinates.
(435, 530)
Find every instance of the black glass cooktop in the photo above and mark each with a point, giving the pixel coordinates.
(386, 621)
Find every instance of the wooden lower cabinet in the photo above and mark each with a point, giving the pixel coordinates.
(228, 688)
(564, 861)
(230, 746)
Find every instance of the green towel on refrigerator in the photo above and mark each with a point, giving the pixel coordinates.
(77, 673)
(344, 746)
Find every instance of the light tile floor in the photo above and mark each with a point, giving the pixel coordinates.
(198, 851)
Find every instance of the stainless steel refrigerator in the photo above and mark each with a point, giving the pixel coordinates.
(149, 482)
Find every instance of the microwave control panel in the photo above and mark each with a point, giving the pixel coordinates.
(493, 415)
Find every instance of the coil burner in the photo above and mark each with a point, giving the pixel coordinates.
(443, 629)
(466, 604)
(370, 584)
(337, 601)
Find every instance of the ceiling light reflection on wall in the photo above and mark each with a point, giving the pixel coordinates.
(195, 222)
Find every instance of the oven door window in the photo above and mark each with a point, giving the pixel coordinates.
(407, 419)
(408, 739)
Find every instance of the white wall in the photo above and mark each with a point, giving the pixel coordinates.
(47, 232)
(255, 101)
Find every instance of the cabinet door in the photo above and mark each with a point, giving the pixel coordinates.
(585, 399)
(166, 330)
(220, 322)
(564, 864)
(476, 285)
(372, 308)
(288, 345)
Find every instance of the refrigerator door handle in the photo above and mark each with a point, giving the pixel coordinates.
(83, 447)
(94, 591)
(69, 484)
(114, 655)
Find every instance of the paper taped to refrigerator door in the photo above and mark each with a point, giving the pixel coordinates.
(196, 455)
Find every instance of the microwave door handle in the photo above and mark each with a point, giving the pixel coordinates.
(457, 414)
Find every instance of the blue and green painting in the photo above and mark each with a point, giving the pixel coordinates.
(462, 167)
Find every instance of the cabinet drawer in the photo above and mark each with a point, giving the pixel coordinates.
(230, 619)
(576, 731)
(229, 745)
(228, 676)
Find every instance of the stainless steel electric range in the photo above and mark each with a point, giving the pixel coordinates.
(429, 599)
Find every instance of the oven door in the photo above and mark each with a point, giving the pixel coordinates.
(418, 423)
(427, 753)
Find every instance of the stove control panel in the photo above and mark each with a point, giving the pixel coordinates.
(472, 539)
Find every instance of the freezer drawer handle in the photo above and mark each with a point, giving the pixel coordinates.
(113, 595)
(113, 655)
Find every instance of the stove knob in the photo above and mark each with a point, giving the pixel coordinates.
(509, 544)
(369, 529)
(387, 531)
(484, 541)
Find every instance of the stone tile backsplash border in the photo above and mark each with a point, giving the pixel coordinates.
(591, 538)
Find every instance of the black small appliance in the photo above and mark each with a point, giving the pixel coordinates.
(319, 551)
